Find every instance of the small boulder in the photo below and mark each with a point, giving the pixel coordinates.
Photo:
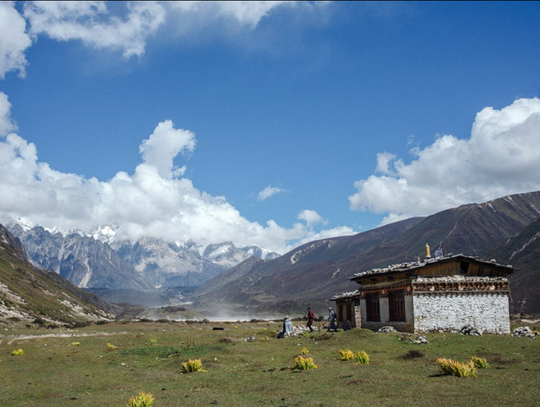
(420, 340)
(386, 329)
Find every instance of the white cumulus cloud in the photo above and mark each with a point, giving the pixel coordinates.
(268, 192)
(164, 145)
(501, 157)
(13, 40)
(311, 217)
(92, 23)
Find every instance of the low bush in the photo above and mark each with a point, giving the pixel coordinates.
(479, 363)
(346, 354)
(361, 357)
(192, 365)
(302, 363)
(451, 367)
(141, 400)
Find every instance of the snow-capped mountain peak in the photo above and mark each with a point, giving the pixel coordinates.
(105, 233)
(100, 260)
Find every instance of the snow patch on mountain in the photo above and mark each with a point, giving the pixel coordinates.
(105, 233)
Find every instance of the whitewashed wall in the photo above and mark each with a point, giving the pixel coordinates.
(488, 313)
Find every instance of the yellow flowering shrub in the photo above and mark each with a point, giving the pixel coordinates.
(346, 354)
(449, 366)
(303, 363)
(141, 400)
(192, 365)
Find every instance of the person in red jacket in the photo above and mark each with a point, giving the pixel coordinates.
(310, 318)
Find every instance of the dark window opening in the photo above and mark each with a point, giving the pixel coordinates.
(340, 312)
(464, 267)
(349, 312)
(373, 308)
(396, 304)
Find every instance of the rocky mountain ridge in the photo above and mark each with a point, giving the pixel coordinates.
(99, 261)
(522, 251)
(30, 295)
(314, 272)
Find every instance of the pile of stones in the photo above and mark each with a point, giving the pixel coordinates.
(420, 340)
(470, 330)
(524, 332)
(386, 330)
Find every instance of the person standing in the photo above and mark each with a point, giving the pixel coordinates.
(310, 318)
(287, 327)
(331, 320)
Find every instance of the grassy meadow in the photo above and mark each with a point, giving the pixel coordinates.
(81, 370)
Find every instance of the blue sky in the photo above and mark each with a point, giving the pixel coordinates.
(265, 123)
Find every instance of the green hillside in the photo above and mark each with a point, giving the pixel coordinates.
(29, 295)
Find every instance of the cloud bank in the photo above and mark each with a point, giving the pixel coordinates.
(154, 201)
(501, 157)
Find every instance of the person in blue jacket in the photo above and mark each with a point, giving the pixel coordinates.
(332, 320)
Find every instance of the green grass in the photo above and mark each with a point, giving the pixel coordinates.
(53, 373)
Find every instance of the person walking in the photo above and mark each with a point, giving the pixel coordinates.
(310, 318)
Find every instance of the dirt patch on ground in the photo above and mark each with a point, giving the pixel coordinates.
(11, 339)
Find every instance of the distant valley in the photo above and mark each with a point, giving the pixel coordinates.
(148, 271)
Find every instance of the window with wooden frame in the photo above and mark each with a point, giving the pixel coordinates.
(373, 309)
(396, 305)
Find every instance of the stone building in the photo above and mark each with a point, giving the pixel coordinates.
(437, 294)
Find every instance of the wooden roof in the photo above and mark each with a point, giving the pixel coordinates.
(439, 266)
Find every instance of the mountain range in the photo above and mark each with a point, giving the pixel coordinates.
(121, 270)
(311, 274)
(228, 280)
